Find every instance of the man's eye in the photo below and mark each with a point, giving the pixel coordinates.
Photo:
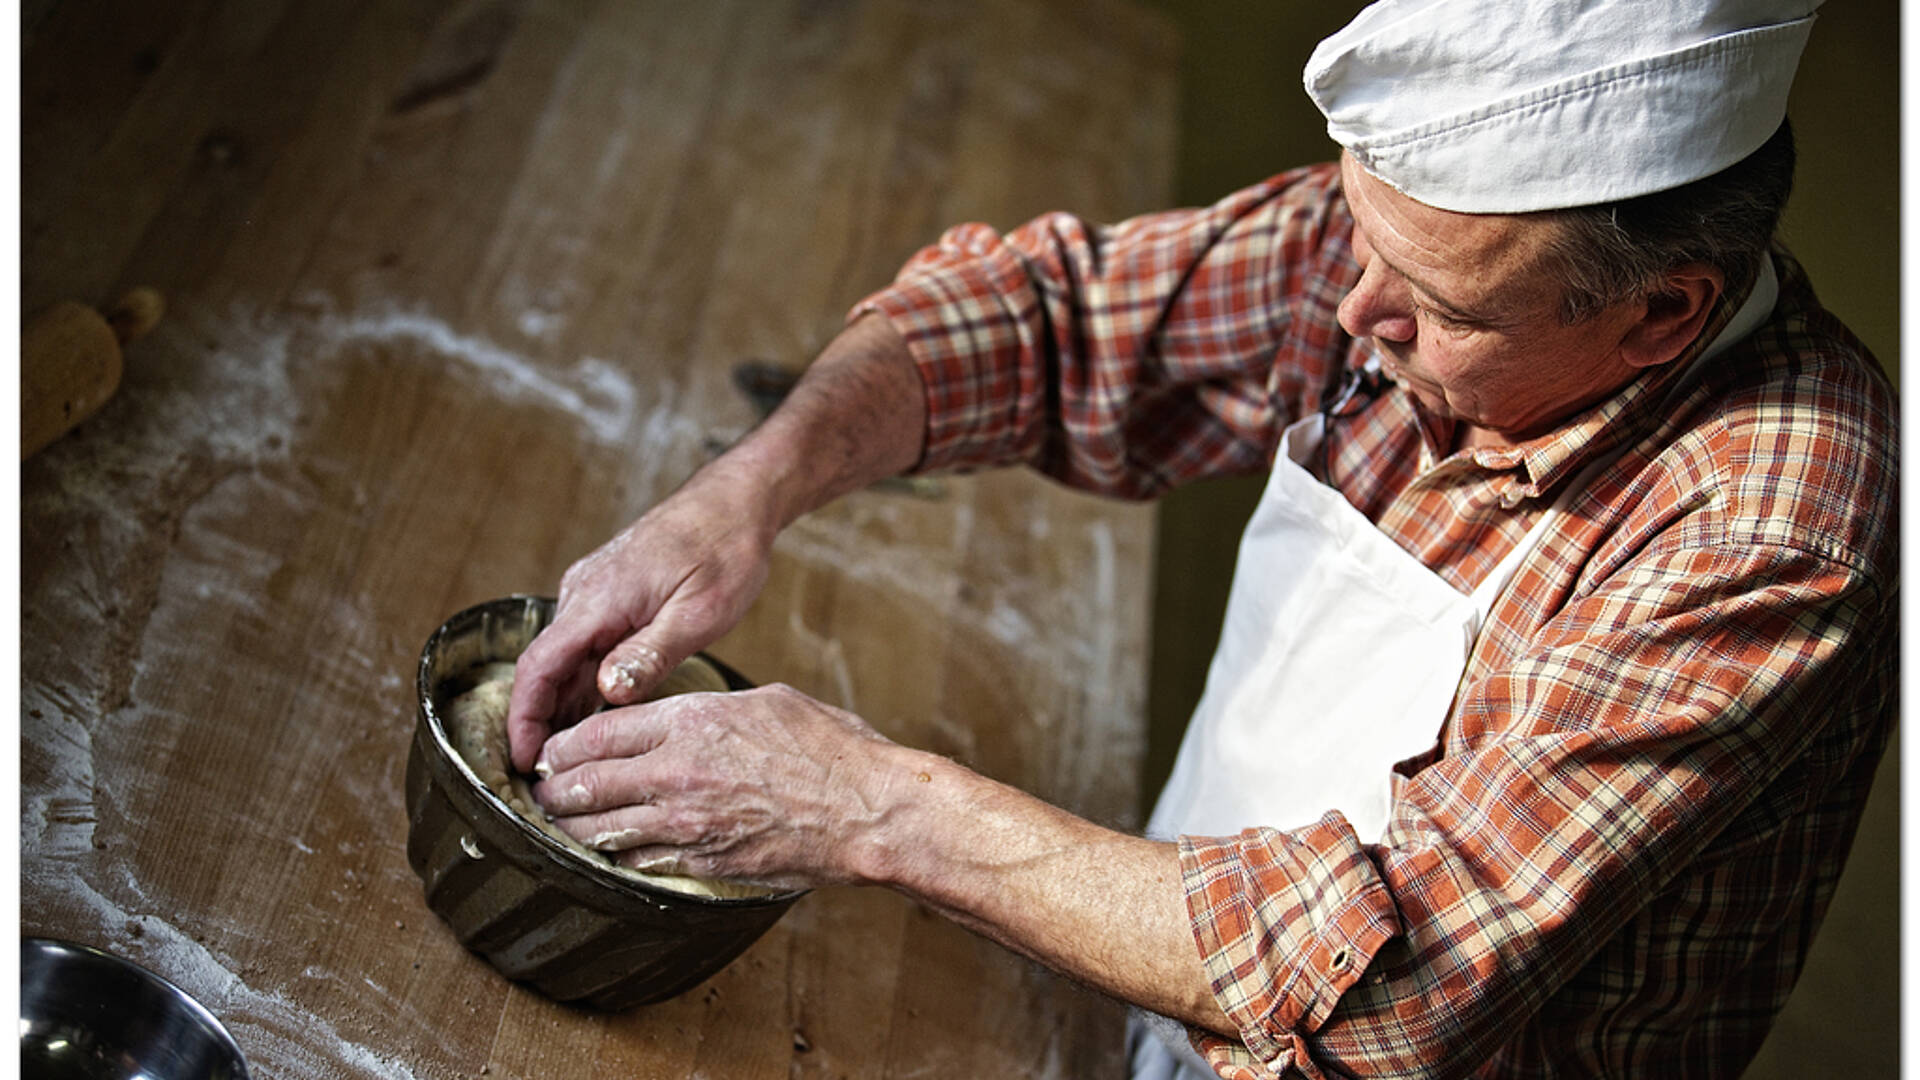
(1444, 320)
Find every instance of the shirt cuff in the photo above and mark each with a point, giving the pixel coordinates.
(961, 306)
(1285, 923)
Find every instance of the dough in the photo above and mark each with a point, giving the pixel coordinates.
(476, 725)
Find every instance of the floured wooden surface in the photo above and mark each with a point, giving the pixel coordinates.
(454, 292)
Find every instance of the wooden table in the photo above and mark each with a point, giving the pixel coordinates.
(455, 291)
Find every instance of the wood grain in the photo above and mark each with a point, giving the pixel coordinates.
(454, 291)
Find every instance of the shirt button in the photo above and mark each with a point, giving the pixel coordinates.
(1340, 960)
(1513, 497)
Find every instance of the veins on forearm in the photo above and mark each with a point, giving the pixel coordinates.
(1100, 907)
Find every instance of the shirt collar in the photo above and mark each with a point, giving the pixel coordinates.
(1546, 459)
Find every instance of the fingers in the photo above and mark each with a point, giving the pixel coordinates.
(633, 668)
(547, 684)
(654, 859)
(529, 716)
(762, 784)
(629, 613)
(639, 664)
(631, 610)
(638, 838)
(643, 838)
(617, 830)
(604, 739)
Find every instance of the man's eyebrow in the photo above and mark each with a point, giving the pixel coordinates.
(1434, 298)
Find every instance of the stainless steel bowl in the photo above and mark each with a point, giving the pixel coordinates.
(534, 909)
(90, 1015)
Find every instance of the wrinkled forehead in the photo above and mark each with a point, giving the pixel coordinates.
(1398, 224)
(1479, 258)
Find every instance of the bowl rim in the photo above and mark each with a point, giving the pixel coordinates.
(543, 607)
(34, 944)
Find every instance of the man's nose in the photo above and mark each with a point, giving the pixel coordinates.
(1379, 306)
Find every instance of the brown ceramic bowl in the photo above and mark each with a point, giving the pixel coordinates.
(537, 911)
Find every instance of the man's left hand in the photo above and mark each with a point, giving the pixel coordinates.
(766, 786)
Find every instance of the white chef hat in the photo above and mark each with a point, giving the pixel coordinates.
(1505, 106)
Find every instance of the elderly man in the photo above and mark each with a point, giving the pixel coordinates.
(1561, 647)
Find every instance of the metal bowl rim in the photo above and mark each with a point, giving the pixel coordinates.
(553, 849)
(57, 946)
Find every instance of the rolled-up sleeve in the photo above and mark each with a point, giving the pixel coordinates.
(1315, 899)
(1124, 359)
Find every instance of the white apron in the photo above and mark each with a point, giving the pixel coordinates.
(1339, 657)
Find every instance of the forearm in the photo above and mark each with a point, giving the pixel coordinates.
(858, 415)
(1099, 906)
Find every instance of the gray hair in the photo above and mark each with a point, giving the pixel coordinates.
(1618, 251)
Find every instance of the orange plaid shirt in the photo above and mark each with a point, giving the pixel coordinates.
(1613, 861)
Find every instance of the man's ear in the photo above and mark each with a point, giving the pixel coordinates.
(1674, 317)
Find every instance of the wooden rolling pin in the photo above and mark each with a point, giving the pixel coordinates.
(70, 362)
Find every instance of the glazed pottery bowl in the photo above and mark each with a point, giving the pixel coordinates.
(538, 911)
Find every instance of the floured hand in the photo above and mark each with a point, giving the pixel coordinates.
(765, 785)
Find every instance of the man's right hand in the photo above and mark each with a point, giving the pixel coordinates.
(686, 571)
(662, 589)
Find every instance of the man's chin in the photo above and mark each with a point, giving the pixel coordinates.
(1431, 399)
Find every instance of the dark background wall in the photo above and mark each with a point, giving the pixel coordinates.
(1244, 117)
